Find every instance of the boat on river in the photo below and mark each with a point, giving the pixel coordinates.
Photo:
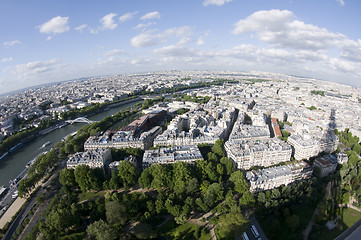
(16, 147)
(45, 144)
(4, 155)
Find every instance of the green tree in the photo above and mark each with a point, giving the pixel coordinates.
(247, 200)
(240, 184)
(116, 212)
(192, 186)
(127, 173)
(293, 222)
(357, 148)
(218, 148)
(114, 182)
(213, 195)
(181, 176)
(161, 176)
(101, 230)
(67, 178)
(81, 177)
(146, 178)
(228, 164)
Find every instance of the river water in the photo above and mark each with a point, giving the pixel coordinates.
(14, 163)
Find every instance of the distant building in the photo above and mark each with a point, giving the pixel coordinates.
(249, 132)
(122, 139)
(197, 127)
(269, 178)
(93, 159)
(306, 146)
(258, 152)
(187, 153)
(114, 165)
(276, 127)
(327, 164)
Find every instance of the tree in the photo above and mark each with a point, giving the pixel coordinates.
(229, 224)
(192, 186)
(116, 212)
(81, 177)
(101, 230)
(240, 184)
(213, 195)
(181, 176)
(357, 148)
(293, 222)
(247, 200)
(146, 178)
(161, 176)
(127, 173)
(218, 148)
(261, 198)
(67, 178)
(114, 182)
(228, 164)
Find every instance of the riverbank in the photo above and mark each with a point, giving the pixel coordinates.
(13, 164)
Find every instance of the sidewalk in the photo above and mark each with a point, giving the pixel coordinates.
(12, 210)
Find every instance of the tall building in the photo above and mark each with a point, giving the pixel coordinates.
(269, 178)
(187, 153)
(257, 152)
(93, 159)
(307, 146)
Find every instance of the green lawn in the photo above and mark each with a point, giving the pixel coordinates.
(90, 195)
(350, 217)
(185, 231)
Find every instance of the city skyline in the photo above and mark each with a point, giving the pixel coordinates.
(46, 42)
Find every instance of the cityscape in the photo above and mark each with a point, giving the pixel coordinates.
(209, 119)
(261, 132)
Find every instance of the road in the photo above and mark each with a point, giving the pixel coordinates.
(26, 209)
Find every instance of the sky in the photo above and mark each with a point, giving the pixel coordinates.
(44, 41)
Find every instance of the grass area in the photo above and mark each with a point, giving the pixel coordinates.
(89, 195)
(184, 231)
(348, 218)
(74, 236)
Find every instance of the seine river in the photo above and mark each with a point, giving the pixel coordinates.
(13, 164)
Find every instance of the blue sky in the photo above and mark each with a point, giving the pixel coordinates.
(43, 41)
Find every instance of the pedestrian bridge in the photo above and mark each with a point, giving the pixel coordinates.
(80, 120)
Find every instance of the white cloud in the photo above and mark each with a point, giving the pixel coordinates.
(127, 16)
(341, 65)
(9, 59)
(153, 37)
(114, 52)
(175, 51)
(215, 2)
(351, 50)
(140, 61)
(146, 39)
(35, 68)
(341, 2)
(200, 41)
(281, 28)
(151, 15)
(81, 27)
(108, 22)
(12, 43)
(144, 25)
(55, 25)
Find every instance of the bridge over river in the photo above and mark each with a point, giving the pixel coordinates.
(80, 120)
